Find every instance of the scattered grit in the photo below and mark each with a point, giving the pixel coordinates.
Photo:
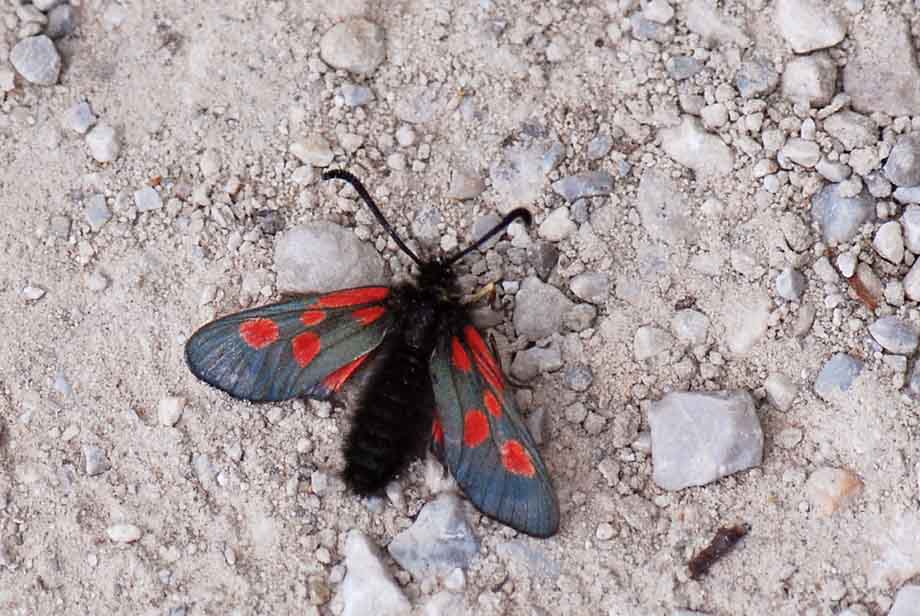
(714, 317)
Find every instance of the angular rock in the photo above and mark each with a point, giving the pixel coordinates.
(690, 145)
(906, 602)
(690, 326)
(578, 377)
(790, 284)
(103, 143)
(79, 117)
(355, 45)
(651, 341)
(37, 60)
(829, 489)
(683, 67)
(314, 150)
(367, 587)
(853, 130)
(664, 209)
(745, 319)
(801, 152)
(882, 73)
(756, 77)
(912, 282)
(539, 309)
(889, 242)
(355, 95)
(910, 222)
(534, 361)
(781, 391)
(465, 185)
(895, 335)
(903, 165)
(810, 80)
(837, 375)
(808, 25)
(557, 226)
(700, 437)
(147, 199)
(840, 217)
(323, 256)
(592, 287)
(95, 459)
(439, 541)
(592, 184)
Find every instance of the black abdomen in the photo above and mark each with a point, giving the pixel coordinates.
(392, 424)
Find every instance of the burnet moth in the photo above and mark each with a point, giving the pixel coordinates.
(435, 383)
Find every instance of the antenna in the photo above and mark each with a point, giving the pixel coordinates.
(341, 174)
(507, 220)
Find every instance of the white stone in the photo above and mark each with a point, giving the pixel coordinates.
(690, 145)
(368, 588)
(124, 533)
(808, 25)
(781, 391)
(889, 242)
(170, 410)
(103, 143)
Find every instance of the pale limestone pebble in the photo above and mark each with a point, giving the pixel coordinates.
(764, 166)
(846, 264)
(907, 194)
(539, 309)
(304, 175)
(895, 335)
(853, 130)
(801, 152)
(79, 117)
(531, 362)
(124, 533)
(804, 321)
(591, 184)
(95, 460)
(591, 287)
(169, 410)
(691, 146)
(903, 164)
(795, 231)
(700, 437)
(790, 284)
(313, 150)
(882, 73)
(659, 11)
(714, 116)
(910, 222)
(889, 242)
(714, 28)
(830, 489)
(826, 271)
(837, 376)
(350, 142)
(773, 140)
(756, 76)
(865, 160)
(210, 162)
(103, 143)
(808, 25)
(906, 602)
(465, 185)
(690, 326)
(651, 341)
(781, 391)
(745, 318)
(37, 60)
(355, 45)
(878, 185)
(833, 171)
(664, 208)
(147, 199)
(840, 217)
(557, 226)
(7, 79)
(32, 293)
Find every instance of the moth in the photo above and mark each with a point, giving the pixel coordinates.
(434, 382)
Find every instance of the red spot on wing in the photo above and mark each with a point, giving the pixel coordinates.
(484, 359)
(312, 317)
(516, 459)
(334, 381)
(492, 403)
(306, 347)
(437, 431)
(352, 297)
(258, 333)
(368, 315)
(460, 359)
(475, 428)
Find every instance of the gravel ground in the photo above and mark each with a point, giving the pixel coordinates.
(713, 318)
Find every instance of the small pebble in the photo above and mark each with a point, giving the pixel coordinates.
(314, 150)
(356, 45)
(169, 410)
(837, 375)
(79, 117)
(146, 199)
(124, 533)
(61, 21)
(790, 285)
(895, 335)
(32, 294)
(37, 60)
(103, 143)
(95, 460)
(355, 95)
(650, 341)
(578, 377)
(781, 391)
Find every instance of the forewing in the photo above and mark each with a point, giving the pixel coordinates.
(306, 346)
(481, 438)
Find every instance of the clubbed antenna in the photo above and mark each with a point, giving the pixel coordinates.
(340, 174)
(507, 220)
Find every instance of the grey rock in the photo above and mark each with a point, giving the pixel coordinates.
(647, 30)
(756, 77)
(599, 147)
(580, 317)
(912, 282)
(910, 221)
(840, 217)
(544, 257)
(882, 73)
(795, 231)
(79, 117)
(903, 165)
(690, 326)
(837, 375)
(578, 377)
(650, 341)
(37, 60)
(833, 172)
(895, 335)
(878, 185)
(95, 460)
(439, 541)
(97, 212)
(683, 67)
(745, 319)
(713, 27)
(592, 287)
(314, 150)
(557, 226)
(579, 211)
(355, 95)
(801, 152)
(781, 391)
(534, 361)
(520, 176)
(61, 22)
(147, 199)
(808, 25)
(529, 556)
(907, 601)
(907, 194)
(539, 309)
(591, 184)
(853, 130)
(790, 285)
(45, 5)
(889, 242)
(810, 80)
(425, 225)
(700, 437)
(664, 209)
(367, 587)
(355, 45)
(465, 185)
(323, 256)
(103, 143)
(690, 145)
